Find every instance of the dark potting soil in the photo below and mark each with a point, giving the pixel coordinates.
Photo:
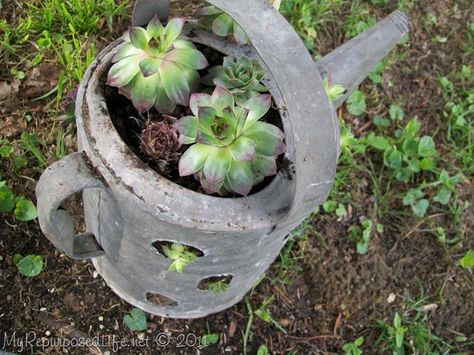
(130, 125)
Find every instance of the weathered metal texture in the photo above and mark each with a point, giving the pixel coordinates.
(128, 207)
(350, 64)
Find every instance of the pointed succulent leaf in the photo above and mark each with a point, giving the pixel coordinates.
(211, 188)
(269, 128)
(214, 72)
(139, 37)
(143, 92)
(163, 103)
(267, 143)
(221, 99)
(149, 66)
(240, 36)
(258, 106)
(240, 177)
(194, 159)
(206, 116)
(186, 140)
(199, 100)
(173, 30)
(207, 21)
(264, 166)
(182, 43)
(188, 126)
(208, 10)
(127, 90)
(223, 25)
(243, 149)
(224, 82)
(217, 165)
(193, 79)
(189, 57)
(155, 28)
(122, 72)
(176, 87)
(204, 137)
(125, 51)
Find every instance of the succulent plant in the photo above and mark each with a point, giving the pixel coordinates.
(221, 24)
(241, 76)
(334, 91)
(231, 150)
(159, 142)
(156, 68)
(180, 255)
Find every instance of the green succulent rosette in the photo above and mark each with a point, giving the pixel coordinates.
(156, 68)
(231, 149)
(221, 24)
(241, 76)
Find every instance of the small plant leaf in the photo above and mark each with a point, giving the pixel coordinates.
(209, 339)
(378, 142)
(443, 196)
(427, 147)
(30, 265)
(139, 37)
(396, 113)
(217, 165)
(194, 159)
(173, 29)
(467, 262)
(240, 177)
(25, 210)
(189, 57)
(223, 25)
(420, 207)
(262, 350)
(356, 104)
(7, 198)
(136, 320)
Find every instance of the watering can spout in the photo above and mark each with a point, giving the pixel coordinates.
(351, 63)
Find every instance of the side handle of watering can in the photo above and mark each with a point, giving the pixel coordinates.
(145, 10)
(60, 181)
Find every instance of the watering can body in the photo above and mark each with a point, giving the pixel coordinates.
(129, 208)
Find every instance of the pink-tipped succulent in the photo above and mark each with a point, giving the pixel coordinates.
(221, 24)
(241, 76)
(232, 150)
(156, 68)
(159, 142)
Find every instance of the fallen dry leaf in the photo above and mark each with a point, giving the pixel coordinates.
(5, 90)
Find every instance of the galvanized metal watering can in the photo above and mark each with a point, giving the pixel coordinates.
(129, 207)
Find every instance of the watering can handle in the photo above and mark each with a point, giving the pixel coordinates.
(59, 182)
(303, 95)
(144, 10)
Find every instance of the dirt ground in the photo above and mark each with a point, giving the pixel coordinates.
(334, 294)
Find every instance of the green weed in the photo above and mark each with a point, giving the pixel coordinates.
(410, 332)
(309, 17)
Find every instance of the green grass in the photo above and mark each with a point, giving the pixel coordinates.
(409, 332)
(57, 30)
